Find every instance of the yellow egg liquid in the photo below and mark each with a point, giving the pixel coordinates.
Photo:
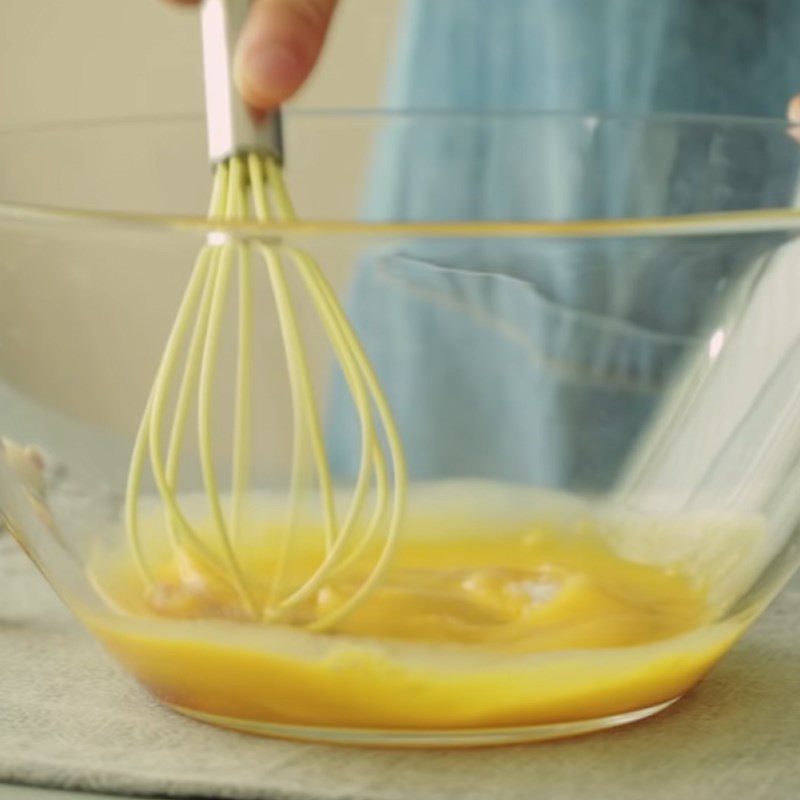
(492, 615)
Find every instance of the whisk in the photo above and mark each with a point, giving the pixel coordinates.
(248, 184)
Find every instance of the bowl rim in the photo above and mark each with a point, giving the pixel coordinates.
(786, 219)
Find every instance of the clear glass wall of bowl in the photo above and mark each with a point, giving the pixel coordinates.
(578, 318)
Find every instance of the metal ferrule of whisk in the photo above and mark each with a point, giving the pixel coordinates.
(233, 129)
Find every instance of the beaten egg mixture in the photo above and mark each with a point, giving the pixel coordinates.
(492, 615)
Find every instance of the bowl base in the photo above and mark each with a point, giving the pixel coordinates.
(420, 739)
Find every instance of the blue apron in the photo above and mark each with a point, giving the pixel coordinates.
(532, 361)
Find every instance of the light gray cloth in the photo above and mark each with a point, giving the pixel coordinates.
(69, 718)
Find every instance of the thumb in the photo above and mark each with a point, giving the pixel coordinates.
(793, 109)
(279, 47)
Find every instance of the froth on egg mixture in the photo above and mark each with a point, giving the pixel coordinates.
(502, 608)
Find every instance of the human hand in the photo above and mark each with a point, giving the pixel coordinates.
(278, 48)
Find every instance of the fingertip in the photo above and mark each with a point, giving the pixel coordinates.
(278, 49)
(793, 109)
(269, 72)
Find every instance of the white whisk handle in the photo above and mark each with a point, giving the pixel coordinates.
(232, 127)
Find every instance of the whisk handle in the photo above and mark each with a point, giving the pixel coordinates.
(232, 128)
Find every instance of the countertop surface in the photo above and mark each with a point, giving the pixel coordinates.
(70, 718)
(17, 792)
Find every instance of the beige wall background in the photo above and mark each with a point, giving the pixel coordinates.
(81, 327)
(79, 59)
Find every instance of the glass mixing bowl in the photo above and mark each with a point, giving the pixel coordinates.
(586, 330)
